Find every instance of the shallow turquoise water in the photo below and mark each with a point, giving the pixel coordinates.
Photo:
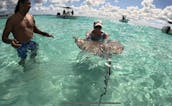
(141, 75)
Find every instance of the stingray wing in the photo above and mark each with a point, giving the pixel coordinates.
(99, 48)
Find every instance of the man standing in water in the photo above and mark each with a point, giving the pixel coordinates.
(22, 25)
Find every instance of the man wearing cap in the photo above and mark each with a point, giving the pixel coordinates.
(96, 34)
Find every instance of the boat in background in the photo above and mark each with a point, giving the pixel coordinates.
(67, 13)
(4, 14)
(167, 30)
(124, 19)
(169, 21)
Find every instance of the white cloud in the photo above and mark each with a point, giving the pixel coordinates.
(62, 1)
(3, 4)
(86, 10)
(90, 8)
(166, 14)
(38, 1)
(147, 5)
(109, 8)
(7, 6)
(94, 2)
(116, 1)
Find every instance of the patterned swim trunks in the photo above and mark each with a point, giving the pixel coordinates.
(31, 45)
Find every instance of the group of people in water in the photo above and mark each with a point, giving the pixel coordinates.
(68, 13)
(22, 25)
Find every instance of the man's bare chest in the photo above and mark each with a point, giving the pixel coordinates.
(22, 24)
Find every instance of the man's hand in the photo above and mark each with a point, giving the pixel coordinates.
(48, 35)
(15, 43)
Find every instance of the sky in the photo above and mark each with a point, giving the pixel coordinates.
(133, 9)
(121, 3)
(158, 3)
(162, 3)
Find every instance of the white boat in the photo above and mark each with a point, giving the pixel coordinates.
(124, 19)
(167, 30)
(67, 13)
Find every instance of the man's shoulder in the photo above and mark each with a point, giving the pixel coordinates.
(30, 15)
(11, 18)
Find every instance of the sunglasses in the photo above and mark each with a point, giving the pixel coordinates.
(98, 27)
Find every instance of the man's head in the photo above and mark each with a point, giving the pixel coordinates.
(23, 5)
(97, 24)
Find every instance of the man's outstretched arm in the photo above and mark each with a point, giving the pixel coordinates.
(38, 31)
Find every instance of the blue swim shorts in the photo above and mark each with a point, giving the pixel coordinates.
(22, 51)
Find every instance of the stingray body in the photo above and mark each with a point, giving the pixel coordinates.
(100, 48)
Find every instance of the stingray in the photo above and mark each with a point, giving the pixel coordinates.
(102, 49)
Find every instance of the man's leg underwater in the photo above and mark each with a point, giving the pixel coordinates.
(33, 46)
(22, 61)
(22, 53)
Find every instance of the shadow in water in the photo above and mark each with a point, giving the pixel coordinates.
(16, 88)
(7, 99)
(89, 84)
